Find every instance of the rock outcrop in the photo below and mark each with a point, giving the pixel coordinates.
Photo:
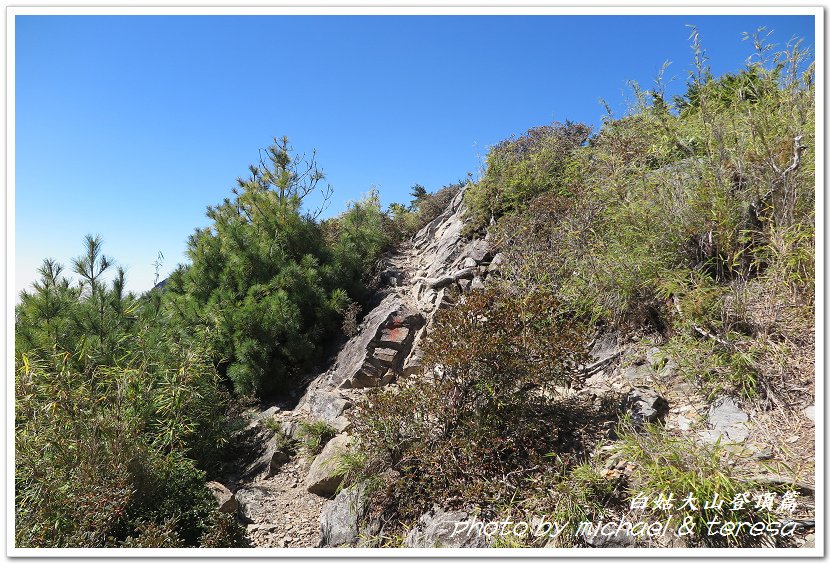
(427, 274)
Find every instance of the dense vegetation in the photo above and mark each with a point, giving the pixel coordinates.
(122, 401)
(688, 223)
(117, 417)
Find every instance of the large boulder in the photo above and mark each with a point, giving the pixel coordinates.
(341, 517)
(382, 345)
(352, 357)
(323, 476)
(251, 500)
(478, 250)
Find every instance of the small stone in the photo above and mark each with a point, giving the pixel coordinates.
(646, 405)
(727, 421)
(496, 263)
(762, 455)
(810, 412)
(641, 373)
(683, 423)
(224, 497)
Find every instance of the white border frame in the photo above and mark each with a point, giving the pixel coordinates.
(339, 7)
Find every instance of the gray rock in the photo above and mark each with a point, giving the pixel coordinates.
(352, 356)
(427, 298)
(323, 476)
(435, 528)
(326, 405)
(251, 501)
(810, 412)
(465, 274)
(496, 264)
(478, 250)
(413, 362)
(341, 517)
(390, 325)
(727, 422)
(224, 497)
(290, 428)
(271, 458)
(393, 277)
(605, 346)
(469, 263)
(445, 232)
(477, 283)
(369, 375)
(341, 423)
(664, 365)
(395, 337)
(444, 299)
(385, 356)
(646, 405)
(763, 454)
(268, 413)
(464, 285)
(655, 357)
(278, 459)
(638, 374)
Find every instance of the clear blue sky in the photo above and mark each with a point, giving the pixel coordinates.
(129, 126)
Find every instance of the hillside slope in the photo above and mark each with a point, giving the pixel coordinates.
(290, 499)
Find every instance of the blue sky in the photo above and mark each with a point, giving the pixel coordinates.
(129, 126)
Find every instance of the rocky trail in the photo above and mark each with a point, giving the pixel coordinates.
(280, 496)
(289, 498)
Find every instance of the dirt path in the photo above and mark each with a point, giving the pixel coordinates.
(274, 502)
(280, 510)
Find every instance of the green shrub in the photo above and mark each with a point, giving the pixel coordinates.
(481, 411)
(267, 280)
(315, 435)
(113, 408)
(667, 464)
(100, 460)
(519, 169)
